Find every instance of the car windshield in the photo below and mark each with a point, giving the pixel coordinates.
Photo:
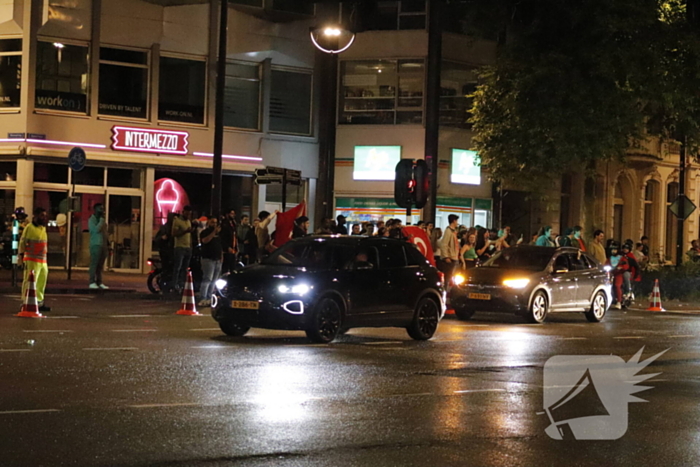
(534, 259)
(316, 255)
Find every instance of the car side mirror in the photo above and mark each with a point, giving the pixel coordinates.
(362, 265)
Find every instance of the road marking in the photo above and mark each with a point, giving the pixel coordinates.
(206, 329)
(110, 348)
(130, 316)
(46, 330)
(213, 347)
(383, 343)
(15, 350)
(574, 338)
(683, 335)
(629, 337)
(9, 412)
(153, 406)
(466, 391)
(134, 330)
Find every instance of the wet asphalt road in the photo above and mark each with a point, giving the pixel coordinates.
(126, 383)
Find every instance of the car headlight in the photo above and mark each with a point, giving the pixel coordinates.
(221, 284)
(516, 283)
(458, 279)
(607, 268)
(299, 289)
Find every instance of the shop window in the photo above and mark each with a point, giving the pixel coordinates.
(124, 178)
(242, 96)
(457, 84)
(382, 92)
(181, 90)
(62, 77)
(7, 207)
(94, 176)
(123, 83)
(290, 102)
(8, 171)
(50, 173)
(10, 72)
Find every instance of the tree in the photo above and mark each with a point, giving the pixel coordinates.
(580, 81)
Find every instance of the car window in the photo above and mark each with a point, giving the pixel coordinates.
(365, 256)
(291, 254)
(391, 255)
(318, 256)
(562, 262)
(414, 257)
(590, 261)
(533, 259)
(343, 257)
(577, 262)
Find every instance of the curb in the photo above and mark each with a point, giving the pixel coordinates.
(677, 312)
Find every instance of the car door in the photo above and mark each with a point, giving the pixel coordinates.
(563, 283)
(366, 286)
(392, 262)
(590, 277)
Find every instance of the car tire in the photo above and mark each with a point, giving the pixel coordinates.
(425, 320)
(599, 306)
(233, 329)
(325, 323)
(464, 314)
(539, 308)
(153, 282)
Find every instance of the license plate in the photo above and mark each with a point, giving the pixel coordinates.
(480, 296)
(245, 305)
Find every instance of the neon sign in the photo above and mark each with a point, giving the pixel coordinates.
(149, 140)
(169, 197)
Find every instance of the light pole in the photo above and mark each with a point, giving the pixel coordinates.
(330, 41)
(217, 169)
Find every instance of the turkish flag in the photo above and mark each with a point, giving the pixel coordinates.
(419, 238)
(285, 223)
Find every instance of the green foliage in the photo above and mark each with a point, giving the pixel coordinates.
(675, 283)
(580, 81)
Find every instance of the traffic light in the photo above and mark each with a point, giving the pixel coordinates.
(411, 184)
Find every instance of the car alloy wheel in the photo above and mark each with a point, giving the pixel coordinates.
(325, 325)
(425, 320)
(538, 308)
(598, 308)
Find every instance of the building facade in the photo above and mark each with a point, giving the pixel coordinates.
(381, 114)
(132, 82)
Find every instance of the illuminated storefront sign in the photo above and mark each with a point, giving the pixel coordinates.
(465, 167)
(169, 197)
(148, 140)
(376, 162)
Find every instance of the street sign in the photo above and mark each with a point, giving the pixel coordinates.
(277, 175)
(294, 177)
(268, 175)
(682, 207)
(77, 159)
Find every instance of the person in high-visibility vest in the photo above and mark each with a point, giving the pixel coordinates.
(33, 249)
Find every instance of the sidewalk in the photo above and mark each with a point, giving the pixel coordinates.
(671, 306)
(58, 283)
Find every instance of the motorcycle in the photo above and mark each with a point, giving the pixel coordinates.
(157, 280)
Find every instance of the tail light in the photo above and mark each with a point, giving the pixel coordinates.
(442, 278)
(150, 263)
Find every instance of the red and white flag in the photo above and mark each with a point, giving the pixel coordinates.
(285, 223)
(419, 237)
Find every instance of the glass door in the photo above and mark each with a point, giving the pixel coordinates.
(124, 224)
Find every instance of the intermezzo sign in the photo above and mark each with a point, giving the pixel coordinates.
(148, 140)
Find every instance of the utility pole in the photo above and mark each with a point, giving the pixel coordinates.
(217, 170)
(432, 106)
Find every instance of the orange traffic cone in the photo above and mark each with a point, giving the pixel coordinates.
(655, 304)
(188, 307)
(30, 308)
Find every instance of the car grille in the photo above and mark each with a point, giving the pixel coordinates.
(245, 292)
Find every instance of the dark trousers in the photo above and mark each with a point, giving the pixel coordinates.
(98, 255)
(448, 269)
(229, 263)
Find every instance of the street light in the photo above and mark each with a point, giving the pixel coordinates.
(331, 40)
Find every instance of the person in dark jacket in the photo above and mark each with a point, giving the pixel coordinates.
(301, 227)
(229, 240)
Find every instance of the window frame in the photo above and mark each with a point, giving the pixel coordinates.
(88, 88)
(306, 71)
(259, 65)
(14, 54)
(149, 77)
(397, 60)
(194, 58)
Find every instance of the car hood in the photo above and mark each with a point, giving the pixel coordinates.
(496, 276)
(265, 274)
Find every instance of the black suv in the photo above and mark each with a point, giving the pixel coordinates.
(326, 285)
